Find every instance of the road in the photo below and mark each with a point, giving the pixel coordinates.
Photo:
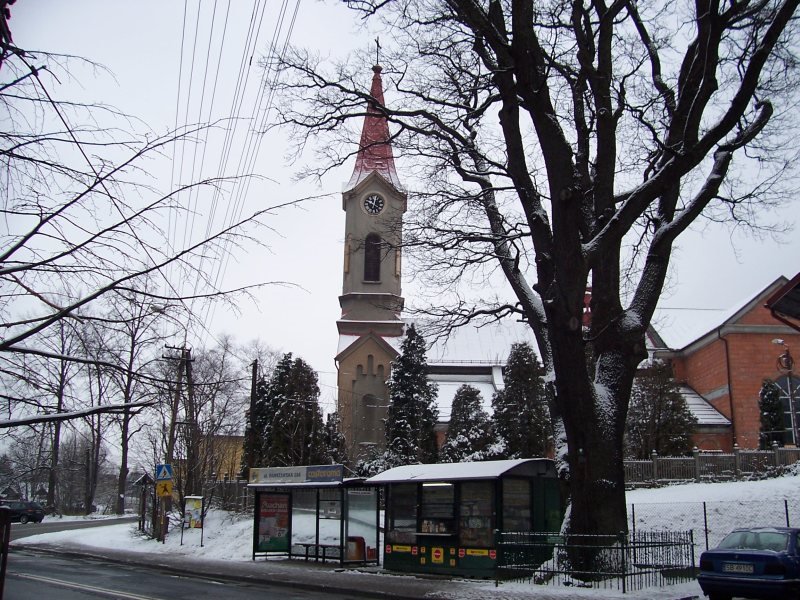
(18, 530)
(33, 576)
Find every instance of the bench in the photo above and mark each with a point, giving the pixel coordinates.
(307, 547)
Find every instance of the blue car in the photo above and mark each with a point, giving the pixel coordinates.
(756, 562)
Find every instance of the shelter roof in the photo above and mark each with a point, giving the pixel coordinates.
(491, 469)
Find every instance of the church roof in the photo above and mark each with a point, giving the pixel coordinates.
(375, 148)
(680, 328)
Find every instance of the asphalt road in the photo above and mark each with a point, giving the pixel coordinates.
(51, 525)
(33, 576)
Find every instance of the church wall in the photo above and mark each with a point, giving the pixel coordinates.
(362, 379)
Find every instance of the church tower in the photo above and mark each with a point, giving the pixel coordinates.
(370, 328)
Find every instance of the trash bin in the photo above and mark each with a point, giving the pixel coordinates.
(356, 548)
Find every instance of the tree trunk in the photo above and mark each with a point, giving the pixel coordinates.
(122, 478)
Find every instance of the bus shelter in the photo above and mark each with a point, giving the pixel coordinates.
(313, 512)
(443, 518)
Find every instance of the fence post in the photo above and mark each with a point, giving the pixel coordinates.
(705, 523)
(786, 510)
(697, 468)
(654, 460)
(775, 453)
(736, 464)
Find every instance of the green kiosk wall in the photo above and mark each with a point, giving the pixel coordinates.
(442, 518)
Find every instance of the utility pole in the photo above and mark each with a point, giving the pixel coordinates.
(251, 442)
(184, 365)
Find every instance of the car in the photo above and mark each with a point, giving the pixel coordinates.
(24, 511)
(754, 562)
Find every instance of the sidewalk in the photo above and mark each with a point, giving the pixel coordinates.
(368, 582)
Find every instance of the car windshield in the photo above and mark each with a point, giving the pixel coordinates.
(756, 540)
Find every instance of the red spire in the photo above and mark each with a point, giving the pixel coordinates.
(375, 149)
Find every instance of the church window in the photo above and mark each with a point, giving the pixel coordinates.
(790, 398)
(372, 258)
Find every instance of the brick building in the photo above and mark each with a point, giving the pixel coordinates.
(725, 365)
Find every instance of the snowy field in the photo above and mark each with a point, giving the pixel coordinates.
(229, 537)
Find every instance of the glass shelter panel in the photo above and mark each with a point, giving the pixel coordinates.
(330, 516)
(403, 513)
(516, 505)
(476, 526)
(437, 507)
(304, 516)
(361, 530)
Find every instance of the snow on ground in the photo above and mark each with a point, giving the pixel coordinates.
(229, 537)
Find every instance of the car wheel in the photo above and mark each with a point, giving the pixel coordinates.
(23, 519)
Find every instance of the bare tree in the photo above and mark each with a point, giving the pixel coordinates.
(567, 145)
(84, 221)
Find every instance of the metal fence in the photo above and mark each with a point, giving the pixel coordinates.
(709, 466)
(711, 521)
(626, 562)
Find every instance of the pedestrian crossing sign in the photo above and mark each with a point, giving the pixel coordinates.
(163, 472)
(164, 488)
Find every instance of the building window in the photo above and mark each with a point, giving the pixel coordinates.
(372, 258)
(790, 395)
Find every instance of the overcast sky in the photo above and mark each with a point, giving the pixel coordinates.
(140, 42)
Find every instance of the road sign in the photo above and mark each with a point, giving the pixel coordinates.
(163, 472)
(164, 488)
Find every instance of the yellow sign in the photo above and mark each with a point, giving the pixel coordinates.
(164, 488)
(474, 552)
(437, 555)
(401, 548)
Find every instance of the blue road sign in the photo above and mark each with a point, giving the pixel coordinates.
(163, 472)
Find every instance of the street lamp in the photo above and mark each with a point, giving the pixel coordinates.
(785, 364)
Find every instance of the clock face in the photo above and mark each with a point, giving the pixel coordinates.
(373, 204)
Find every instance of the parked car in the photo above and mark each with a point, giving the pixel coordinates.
(24, 511)
(754, 562)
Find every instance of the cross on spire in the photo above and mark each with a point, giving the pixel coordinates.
(378, 50)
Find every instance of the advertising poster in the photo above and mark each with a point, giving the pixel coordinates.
(194, 511)
(273, 523)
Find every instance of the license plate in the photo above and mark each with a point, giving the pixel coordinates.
(737, 568)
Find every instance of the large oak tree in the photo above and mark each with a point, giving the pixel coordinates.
(569, 144)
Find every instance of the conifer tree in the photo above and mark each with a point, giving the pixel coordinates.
(334, 439)
(521, 419)
(772, 414)
(658, 418)
(469, 430)
(412, 413)
(288, 420)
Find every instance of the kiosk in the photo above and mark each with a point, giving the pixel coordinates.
(313, 512)
(442, 518)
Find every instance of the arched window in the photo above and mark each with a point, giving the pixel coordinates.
(372, 258)
(790, 398)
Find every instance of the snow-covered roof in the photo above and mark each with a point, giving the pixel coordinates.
(679, 327)
(490, 469)
(485, 344)
(701, 409)
(486, 383)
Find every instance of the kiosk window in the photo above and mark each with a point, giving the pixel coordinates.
(403, 511)
(476, 514)
(516, 505)
(437, 510)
